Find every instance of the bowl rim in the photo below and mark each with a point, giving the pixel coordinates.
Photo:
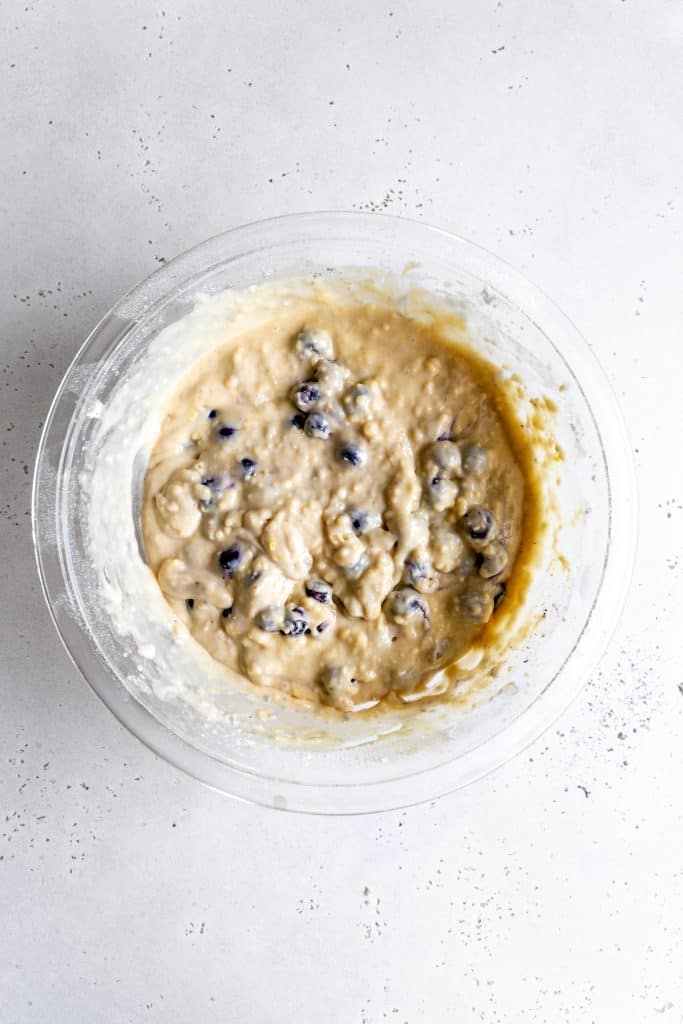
(402, 791)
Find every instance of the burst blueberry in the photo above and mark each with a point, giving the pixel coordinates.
(296, 623)
(295, 627)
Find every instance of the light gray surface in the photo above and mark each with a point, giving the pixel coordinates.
(549, 133)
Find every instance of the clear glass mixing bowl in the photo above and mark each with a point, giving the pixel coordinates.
(355, 770)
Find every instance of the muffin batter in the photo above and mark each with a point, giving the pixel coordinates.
(332, 506)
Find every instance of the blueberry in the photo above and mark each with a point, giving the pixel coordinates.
(317, 425)
(446, 548)
(225, 431)
(227, 612)
(356, 570)
(494, 560)
(480, 526)
(359, 521)
(211, 414)
(270, 619)
(217, 483)
(415, 571)
(339, 686)
(477, 603)
(190, 603)
(319, 591)
(210, 482)
(248, 467)
(476, 460)
(298, 421)
(405, 603)
(357, 402)
(331, 375)
(441, 647)
(229, 559)
(306, 396)
(363, 522)
(352, 454)
(420, 575)
(441, 492)
(314, 343)
(446, 455)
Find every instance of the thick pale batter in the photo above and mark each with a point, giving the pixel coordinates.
(332, 506)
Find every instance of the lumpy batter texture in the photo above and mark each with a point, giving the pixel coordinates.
(333, 506)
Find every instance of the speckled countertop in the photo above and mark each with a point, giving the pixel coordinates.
(550, 133)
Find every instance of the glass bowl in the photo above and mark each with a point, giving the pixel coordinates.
(235, 742)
